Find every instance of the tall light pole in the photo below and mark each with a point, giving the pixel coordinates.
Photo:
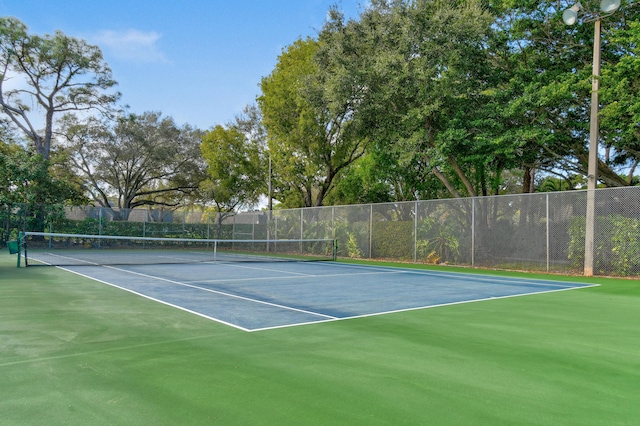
(270, 204)
(570, 17)
(270, 189)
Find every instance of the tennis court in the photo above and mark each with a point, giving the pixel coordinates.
(259, 285)
(262, 295)
(77, 351)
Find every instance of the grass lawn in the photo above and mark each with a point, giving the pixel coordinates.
(78, 352)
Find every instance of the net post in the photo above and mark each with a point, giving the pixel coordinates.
(20, 237)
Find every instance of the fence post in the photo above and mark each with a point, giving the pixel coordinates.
(548, 247)
(333, 224)
(370, 231)
(233, 229)
(415, 233)
(473, 232)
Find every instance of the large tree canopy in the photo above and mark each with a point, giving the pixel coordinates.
(452, 97)
(621, 99)
(55, 73)
(414, 99)
(142, 160)
(26, 179)
(545, 92)
(33, 187)
(235, 169)
(407, 80)
(311, 138)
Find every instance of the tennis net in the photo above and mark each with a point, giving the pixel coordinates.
(43, 248)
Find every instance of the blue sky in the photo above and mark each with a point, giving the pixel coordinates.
(198, 61)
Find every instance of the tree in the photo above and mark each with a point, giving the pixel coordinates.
(30, 193)
(235, 169)
(25, 179)
(546, 88)
(250, 124)
(470, 92)
(311, 138)
(414, 75)
(59, 74)
(621, 98)
(362, 184)
(141, 160)
(553, 183)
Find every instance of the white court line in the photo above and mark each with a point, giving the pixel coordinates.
(461, 302)
(288, 277)
(156, 300)
(494, 279)
(64, 257)
(235, 265)
(223, 293)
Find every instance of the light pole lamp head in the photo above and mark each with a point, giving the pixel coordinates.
(609, 6)
(570, 16)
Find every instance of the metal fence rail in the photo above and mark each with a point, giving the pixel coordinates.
(537, 232)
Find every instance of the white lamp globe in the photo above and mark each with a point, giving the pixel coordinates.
(609, 6)
(570, 16)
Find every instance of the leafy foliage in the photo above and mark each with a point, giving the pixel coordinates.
(438, 242)
(412, 100)
(26, 179)
(30, 193)
(310, 136)
(454, 98)
(140, 160)
(235, 172)
(617, 249)
(392, 240)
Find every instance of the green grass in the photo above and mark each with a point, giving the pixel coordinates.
(77, 352)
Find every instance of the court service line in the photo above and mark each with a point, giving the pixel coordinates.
(234, 265)
(71, 258)
(228, 263)
(494, 279)
(288, 277)
(290, 308)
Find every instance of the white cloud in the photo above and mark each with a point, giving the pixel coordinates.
(131, 45)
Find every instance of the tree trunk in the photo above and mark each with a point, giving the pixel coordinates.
(528, 180)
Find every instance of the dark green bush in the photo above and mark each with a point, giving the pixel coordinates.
(617, 245)
(392, 240)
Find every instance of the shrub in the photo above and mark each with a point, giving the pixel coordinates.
(352, 247)
(393, 240)
(437, 242)
(617, 245)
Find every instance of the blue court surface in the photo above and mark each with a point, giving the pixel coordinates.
(261, 296)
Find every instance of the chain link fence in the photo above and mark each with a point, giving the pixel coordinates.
(534, 232)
